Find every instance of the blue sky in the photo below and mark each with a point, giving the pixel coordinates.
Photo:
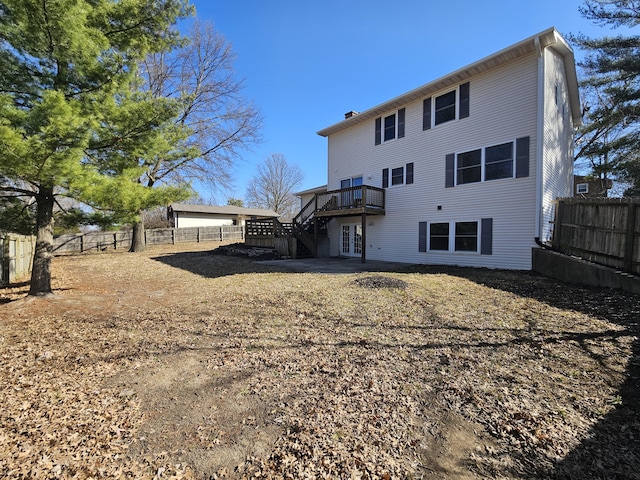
(307, 62)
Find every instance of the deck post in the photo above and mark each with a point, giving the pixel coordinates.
(364, 238)
(315, 237)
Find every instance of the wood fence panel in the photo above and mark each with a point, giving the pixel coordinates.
(102, 241)
(604, 231)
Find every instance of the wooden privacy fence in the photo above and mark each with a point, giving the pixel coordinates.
(16, 254)
(101, 241)
(602, 230)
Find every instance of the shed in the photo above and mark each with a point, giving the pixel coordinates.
(184, 215)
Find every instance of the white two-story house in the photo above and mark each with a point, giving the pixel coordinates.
(463, 170)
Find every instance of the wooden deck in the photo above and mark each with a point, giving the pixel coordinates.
(309, 224)
(349, 211)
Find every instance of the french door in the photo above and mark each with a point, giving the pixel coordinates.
(351, 241)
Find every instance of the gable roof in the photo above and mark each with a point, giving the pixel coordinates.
(548, 38)
(223, 210)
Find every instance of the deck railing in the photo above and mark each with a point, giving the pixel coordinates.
(340, 200)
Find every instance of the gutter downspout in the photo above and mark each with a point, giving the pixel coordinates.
(539, 140)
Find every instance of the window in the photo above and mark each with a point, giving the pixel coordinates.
(390, 127)
(506, 160)
(498, 161)
(446, 107)
(399, 176)
(439, 236)
(351, 197)
(582, 188)
(469, 167)
(466, 237)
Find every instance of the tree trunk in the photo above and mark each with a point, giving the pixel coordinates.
(41, 271)
(138, 243)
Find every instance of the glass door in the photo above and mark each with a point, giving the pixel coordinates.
(351, 240)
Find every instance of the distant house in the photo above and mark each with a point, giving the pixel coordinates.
(591, 188)
(307, 195)
(183, 215)
(463, 170)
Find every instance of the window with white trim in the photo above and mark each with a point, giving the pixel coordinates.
(466, 239)
(449, 237)
(439, 236)
(582, 188)
(446, 107)
(484, 164)
(389, 127)
(397, 176)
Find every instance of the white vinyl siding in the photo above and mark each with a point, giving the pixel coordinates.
(506, 97)
(503, 107)
(557, 167)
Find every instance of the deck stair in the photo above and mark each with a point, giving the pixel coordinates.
(310, 226)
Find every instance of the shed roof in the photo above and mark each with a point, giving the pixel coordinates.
(223, 210)
(320, 189)
(547, 38)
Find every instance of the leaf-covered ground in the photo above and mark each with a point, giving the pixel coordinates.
(178, 363)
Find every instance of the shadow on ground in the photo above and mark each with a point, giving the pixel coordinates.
(612, 448)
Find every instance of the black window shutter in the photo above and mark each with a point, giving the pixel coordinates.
(522, 157)
(409, 174)
(378, 131)
(385, 177)
(464, 100)
(401, 123)
(486, 236)
(449, 170)
(422, 236)
(426, 114)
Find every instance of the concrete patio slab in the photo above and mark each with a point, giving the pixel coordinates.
(336, 265)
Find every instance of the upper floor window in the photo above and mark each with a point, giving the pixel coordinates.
(446, 107)
(490, 163)
(506, 160)
(390, 127)
(469, 167)
(498, 161)
(582, 188)
(399, 175)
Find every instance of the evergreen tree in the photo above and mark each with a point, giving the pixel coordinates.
(68, 119)
(610, 137)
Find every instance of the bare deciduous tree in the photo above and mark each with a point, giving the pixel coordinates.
(222, 122)
(274, 185)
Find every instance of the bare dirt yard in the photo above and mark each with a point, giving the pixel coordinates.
(181, 363)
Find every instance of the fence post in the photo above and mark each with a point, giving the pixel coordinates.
(82, 243)
(556, 239)
(628, 238)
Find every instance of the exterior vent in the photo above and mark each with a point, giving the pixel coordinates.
(350, 114)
